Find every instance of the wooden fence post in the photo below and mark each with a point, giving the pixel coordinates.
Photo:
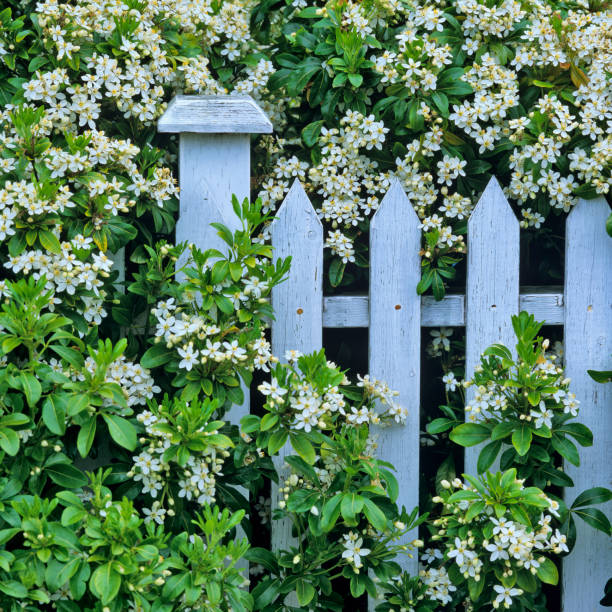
(298, 304)
(214, 164)
(395, 337)
(588, 334)
(492, 292)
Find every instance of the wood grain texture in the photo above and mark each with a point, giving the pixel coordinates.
(232, 114)
(341, 311)
(492, 293)
(212, 168)
(298, 304)
(395, 336)
(588, 345)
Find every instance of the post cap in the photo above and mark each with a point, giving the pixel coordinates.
(224, 114)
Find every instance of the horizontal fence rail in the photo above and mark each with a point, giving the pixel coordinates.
(339, 311)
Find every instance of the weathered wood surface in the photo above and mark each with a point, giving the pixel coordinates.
(395, 337)
(212, 168)
(492, 293)
(232, 114)
(588, 346)
(340, 311)
(298, 304)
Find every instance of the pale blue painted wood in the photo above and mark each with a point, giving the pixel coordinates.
(588, 346)
(229, 114)
(492, 293)
(395, 337)
(212, 168)
(545, 303)
(214, 164)
(298, 304)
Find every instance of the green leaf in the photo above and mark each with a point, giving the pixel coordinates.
(547, 572)
(303, 448)
(469, 434)
(250, 423)
(595, 518)
(235, 268)
(9, 441)
(156, 356)
(521, 439)
(31, 388)
(439, 425)
(304, 591)
(72, 356)
(49, 241)
(502, 430)
(310, 134)
(14, 419)
(596, 495)
(268, 421)
(86, 436)
(54, 415)
(581, 433)
(441, 101)
(487, 456)
(105, 582)
(475, 588)
(336, 272)
(374, 514)
(121, 431)
(330, 512)
(474, 510)
(355, 79)
(277, 441)
(566, 448)
(7, 534)
(12, 588)
(600, 376)
(66, 475)
(351, 506)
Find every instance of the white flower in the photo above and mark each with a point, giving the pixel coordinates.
(450, 382)
(353, 550)
(189, 357)
(273, 389)
(505, 595)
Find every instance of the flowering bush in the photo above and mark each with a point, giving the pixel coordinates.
(452, 90)
(495, 535)
(122, 484)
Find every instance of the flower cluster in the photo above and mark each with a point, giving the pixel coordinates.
(182, 455)
(441, 95)
(493, 529)
(310, 393)
(214, 327)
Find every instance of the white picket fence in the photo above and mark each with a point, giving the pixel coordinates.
(214, 163)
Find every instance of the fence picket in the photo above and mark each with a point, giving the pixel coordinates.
(395, 336)
(492, 293)
(588, 329)
(298, 302)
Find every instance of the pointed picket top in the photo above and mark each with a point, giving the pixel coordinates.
(492, 203)
(588, 342)
(296, 207)
(395, 205)
(395, 338)
(492, 293)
